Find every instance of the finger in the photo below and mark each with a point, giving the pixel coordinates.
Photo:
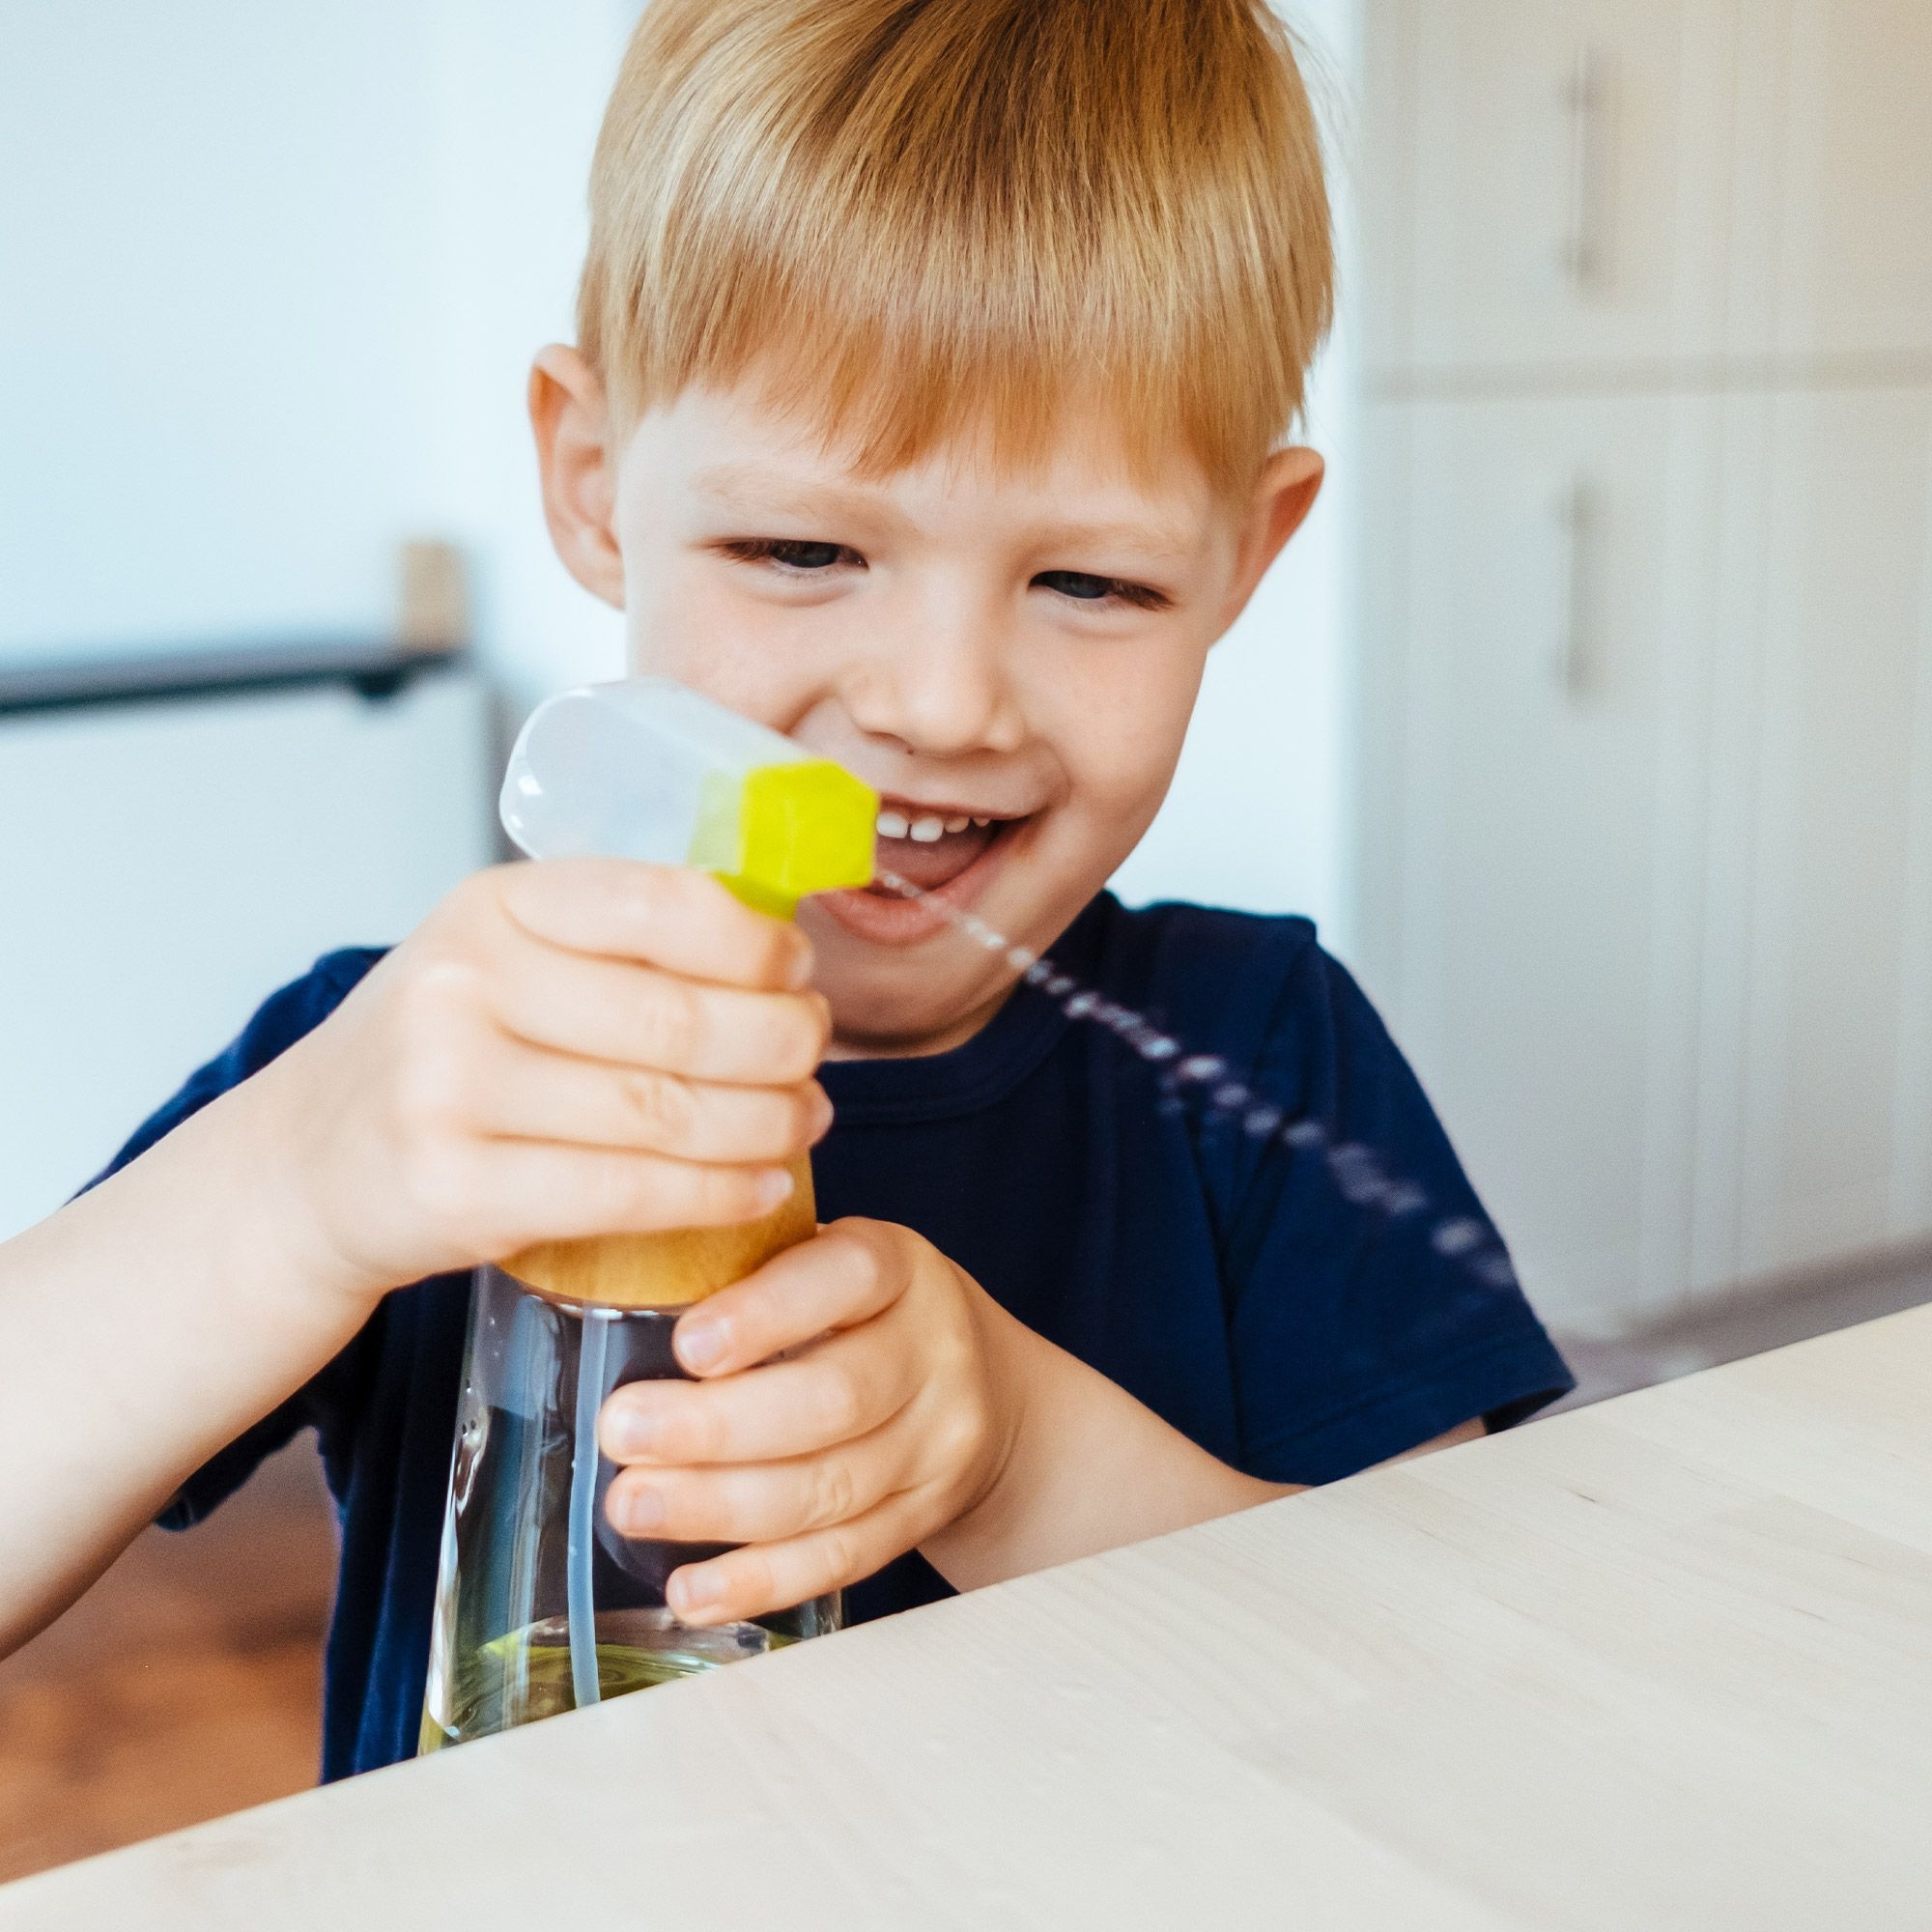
(523, 1094)
(668, 915)
(844, 1275)
(835, 1393)
(637, 1016)
(507, 1194)
(766, 1577)
(762, 1503)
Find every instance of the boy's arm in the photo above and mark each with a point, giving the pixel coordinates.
(145, 1326)
(1090, 1468)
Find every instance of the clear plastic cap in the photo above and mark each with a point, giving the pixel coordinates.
(648, 769)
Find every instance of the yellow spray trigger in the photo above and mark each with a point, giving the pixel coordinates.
(778, 834)
(650, 770)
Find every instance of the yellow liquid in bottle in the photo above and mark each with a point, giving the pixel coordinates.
(526, 1675)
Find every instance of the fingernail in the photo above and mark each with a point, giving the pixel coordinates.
(702, 1344)
(774, 1188)
(629, 1433)
(693, 1590)
(643, 1511)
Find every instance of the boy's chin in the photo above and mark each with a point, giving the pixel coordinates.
(877, 1013)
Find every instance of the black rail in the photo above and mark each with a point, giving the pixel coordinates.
(375, 669)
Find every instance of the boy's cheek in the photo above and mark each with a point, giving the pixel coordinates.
(1119, 731)
(1112, 799)
(749, 655)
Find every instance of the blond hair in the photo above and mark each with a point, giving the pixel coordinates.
(913, 219)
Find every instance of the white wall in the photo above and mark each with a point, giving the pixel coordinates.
(269, 282)
(270, 278)
(213, 220)
(520, 90)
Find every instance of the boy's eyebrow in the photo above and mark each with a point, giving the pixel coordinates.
(1151, 541)
(735, 485)
(746, 487)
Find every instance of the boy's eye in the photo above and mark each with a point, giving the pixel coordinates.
(1085, 589)
(791, 553)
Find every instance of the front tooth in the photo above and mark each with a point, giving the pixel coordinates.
(893, 825)
(982, 823)
(927, 830)
(958, 824)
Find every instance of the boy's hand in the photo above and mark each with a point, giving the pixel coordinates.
(579, 1046)
(884, 1424)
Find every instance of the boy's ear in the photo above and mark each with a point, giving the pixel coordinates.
(578, 468)
(1285, 493)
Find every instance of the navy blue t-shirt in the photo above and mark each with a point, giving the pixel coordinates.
(1301, 1305)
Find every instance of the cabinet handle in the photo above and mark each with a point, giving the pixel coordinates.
(1577, 513)
(1585, 94)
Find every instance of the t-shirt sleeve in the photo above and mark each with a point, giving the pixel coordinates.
(1372, 1302)
(327, 1400)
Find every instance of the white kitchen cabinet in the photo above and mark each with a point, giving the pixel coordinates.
(1657, 932)
(1541, 829)
(1833, 994)
(1835, 228)
(1546, 184)
(1647, 188)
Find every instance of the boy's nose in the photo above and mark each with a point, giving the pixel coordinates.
(939, 682)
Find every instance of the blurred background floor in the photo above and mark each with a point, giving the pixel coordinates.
(186, 1683)
(1769, 1315)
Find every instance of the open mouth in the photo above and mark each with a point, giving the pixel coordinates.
(931, 849)
(945, 856)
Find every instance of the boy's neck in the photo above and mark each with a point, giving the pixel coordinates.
(945, 1039)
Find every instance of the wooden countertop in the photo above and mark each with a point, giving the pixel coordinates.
(1665, 1662)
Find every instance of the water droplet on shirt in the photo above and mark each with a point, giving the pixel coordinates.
(1494, 1266)
(1457, 1236)
(1358, 1174)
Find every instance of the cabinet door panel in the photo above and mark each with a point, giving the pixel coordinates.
(1538, 749)
(1852, 218)
(1835, 1148)
(1547, 185)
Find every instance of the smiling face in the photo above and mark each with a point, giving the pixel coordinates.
(1010, 658)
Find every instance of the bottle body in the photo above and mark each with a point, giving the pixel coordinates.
(541, 1606)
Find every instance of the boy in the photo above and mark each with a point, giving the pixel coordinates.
(933, 359)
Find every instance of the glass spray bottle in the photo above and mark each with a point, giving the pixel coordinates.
(541, 1606)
